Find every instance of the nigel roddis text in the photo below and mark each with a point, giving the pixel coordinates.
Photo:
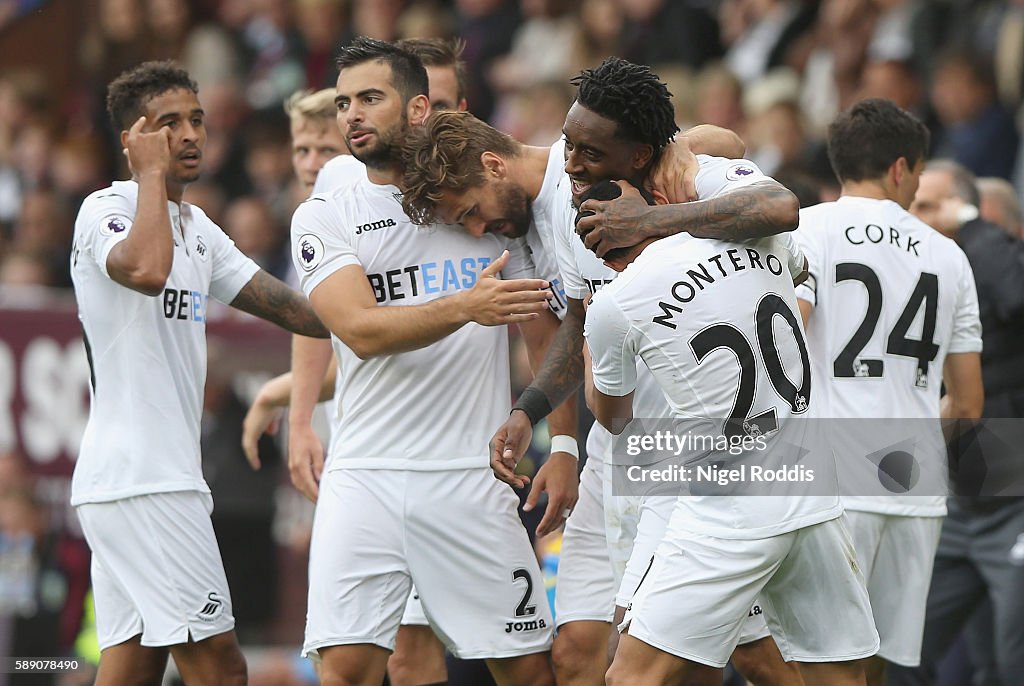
(428, 278)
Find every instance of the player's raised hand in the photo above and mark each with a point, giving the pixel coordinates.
(675, 173)
(559, 477)
(148, 152)
(305, 459)
(493, 301)
(618, 223)
(508, 445)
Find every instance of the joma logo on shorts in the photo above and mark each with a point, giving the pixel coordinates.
(529, 625)
(373, 226)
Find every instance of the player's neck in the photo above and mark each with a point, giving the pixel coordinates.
(389, 175)
(869, 188)
(529, 168)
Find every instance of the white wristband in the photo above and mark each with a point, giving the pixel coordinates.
(565, 444)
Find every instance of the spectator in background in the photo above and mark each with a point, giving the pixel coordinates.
(244, 516)
(33, 578)
(543, 49)
(759, 34)
(601, 25)
(658, 32)
(978, 133)
(249, 222)
(321, 24)
(719, 99)
(44, 230)
(1000, 205)
(831, 58)
(977, 558)
(315, 137)
(487, 26)
(169, 22)
(268, 162)
(23, 268)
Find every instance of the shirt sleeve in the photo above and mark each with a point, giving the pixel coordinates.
(565, 257)
(612, 348)
(520, 261)
(232, 269)
(966, 337)
(794, 255)
(320, 245)
(340, 170)
(106, 221)
(805, 239)
(719, 175)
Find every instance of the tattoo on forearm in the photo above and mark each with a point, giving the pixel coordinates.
(759, 210)
(562, 371)
(269, 298)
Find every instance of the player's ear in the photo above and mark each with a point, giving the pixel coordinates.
(642, 156)
(418, 109)
(898, 170)
(493, 164)
(659, 197)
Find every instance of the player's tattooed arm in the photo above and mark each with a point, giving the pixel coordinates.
(562, 371)
(761, 209)
(560, 376)
(269, 298)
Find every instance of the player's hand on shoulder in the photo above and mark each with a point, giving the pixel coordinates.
(493, 301)
(508, 445)
(675, 173)
(148, 152)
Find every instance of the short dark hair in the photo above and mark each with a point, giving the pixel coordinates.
(633, 97)
(444, 155)
(440, 52)
(128, 94)
(407, 73)
(865, 140)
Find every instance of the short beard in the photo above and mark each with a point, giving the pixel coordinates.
(515, 206)
(388, 151)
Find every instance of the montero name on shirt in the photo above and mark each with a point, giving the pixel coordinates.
(724, 264)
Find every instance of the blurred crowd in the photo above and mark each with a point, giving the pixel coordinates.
(775, 71)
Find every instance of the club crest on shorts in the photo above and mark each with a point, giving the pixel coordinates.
(311, 251)
(739, 171)
(213, 607)
(112, 226)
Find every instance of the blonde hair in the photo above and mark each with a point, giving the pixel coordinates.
(305, 104)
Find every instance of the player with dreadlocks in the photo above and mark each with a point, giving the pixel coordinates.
(458, 169)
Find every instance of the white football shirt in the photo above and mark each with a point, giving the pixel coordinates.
(583, 274)
(717, 325)
(344, 170)
(147, 354)
(892, 298)
(427, 409)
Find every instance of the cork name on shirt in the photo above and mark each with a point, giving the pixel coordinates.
(724, 264)
(875, 234)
